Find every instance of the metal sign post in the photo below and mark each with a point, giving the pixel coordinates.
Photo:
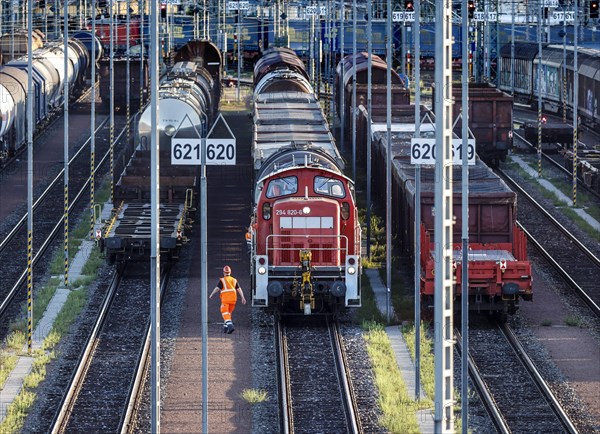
(155, 219)
(369, 104)
(575, 104)
(30, 96)
(203, 152)
(354, 109)
(417, 38)
(66, 141)
(465, 222)
(444, 334)
(342, 74)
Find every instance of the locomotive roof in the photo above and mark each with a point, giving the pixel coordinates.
(282, 119)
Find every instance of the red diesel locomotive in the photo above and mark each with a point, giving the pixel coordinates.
(304, 236)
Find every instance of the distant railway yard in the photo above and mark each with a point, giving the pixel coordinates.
(321, 341)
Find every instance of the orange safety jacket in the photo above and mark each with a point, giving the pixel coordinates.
(228, 289)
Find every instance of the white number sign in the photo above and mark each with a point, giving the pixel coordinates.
(423, 151)
(568, 17)
(186, 151)
(220, 151)
(403, 16)
(311, 11)
(189, 151)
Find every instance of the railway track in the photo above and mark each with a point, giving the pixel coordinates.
(315, 389)
(106, 386)
(578, 266)
(558, 164)
(515, 402)
(48, 220)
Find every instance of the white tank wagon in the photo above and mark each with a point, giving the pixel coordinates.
(48, 76)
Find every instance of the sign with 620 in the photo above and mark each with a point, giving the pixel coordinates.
(424, 151)
(189, 151)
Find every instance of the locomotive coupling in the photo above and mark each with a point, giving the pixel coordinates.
(307, 299)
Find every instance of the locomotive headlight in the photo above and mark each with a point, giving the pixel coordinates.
(351, 270)
(262, 270)
(306, 210)
(170, 130)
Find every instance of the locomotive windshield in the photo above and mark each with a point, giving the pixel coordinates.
(329, 187)
(282, 187)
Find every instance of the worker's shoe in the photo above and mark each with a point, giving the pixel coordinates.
(225, 328)
(230, 328)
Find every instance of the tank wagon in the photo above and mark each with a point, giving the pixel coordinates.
(190, 91)
(304, 234)
(490, 120)
(48, 73)
(499, 272)
(15, 44)
(552, 59)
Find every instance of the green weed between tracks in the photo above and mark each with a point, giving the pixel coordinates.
(76, 300)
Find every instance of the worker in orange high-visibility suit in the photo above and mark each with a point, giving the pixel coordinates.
(229, 288)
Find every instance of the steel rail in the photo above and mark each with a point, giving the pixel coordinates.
(560, 167)
(564, 273)
(45, 193)
(11, 294)
(484, 393)
(286, 422)
(349, 397)
(135, 394)
(62, 416)
(537, 377)
(69, 399)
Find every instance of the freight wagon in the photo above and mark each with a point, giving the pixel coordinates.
(399, 91)
(138, 82)
(499, 272)
(490, 119)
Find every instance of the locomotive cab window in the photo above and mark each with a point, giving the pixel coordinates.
(282, 187)
(329, 187)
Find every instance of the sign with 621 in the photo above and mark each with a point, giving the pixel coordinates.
(423, 151)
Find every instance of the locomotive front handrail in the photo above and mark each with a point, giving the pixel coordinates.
(291, 238)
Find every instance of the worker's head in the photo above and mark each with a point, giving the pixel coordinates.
(226, 270)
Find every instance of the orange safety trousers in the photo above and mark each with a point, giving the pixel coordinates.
(227, 310)
(228, 297)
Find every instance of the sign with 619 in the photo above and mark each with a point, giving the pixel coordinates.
(423, 151)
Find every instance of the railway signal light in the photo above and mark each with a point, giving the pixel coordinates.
(594, 9)
(408, 5)
(163, 10)
(471, 8)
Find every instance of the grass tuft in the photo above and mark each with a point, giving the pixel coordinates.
(574, 321)
(254, 396)
(16, 340)
(399, 410)
(7, 364)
